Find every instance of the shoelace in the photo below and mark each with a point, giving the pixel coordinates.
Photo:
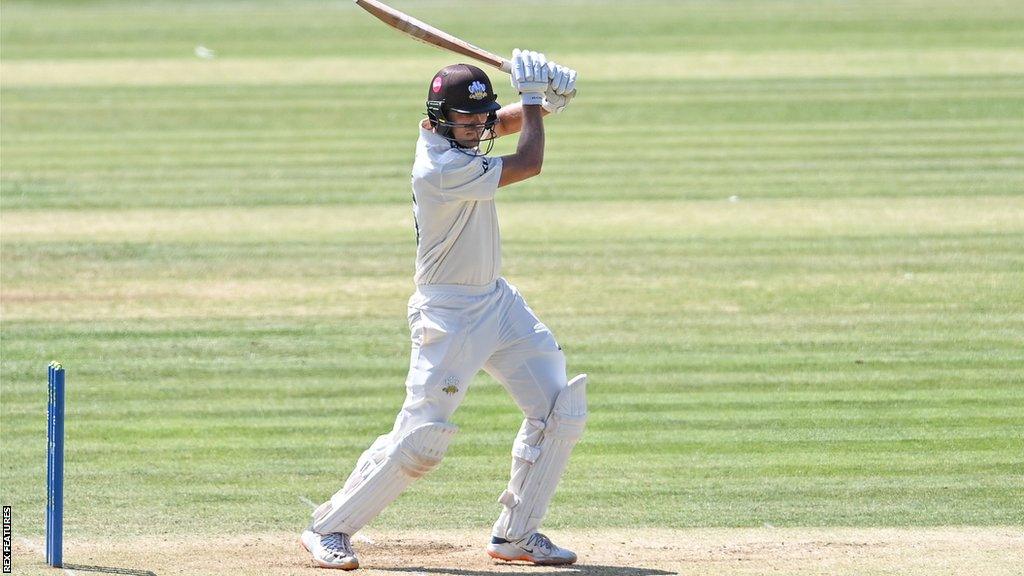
(337, 543)
(541, 540)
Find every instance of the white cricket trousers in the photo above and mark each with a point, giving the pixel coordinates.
(456, 331)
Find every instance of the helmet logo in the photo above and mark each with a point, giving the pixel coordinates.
(477, 90)
(436, 86)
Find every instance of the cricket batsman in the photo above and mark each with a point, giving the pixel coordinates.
(464, 316)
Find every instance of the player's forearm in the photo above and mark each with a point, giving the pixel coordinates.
(531, 142)
(510, 119)
(529, 78)
(529, 156)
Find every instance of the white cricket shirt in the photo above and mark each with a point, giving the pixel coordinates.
(458, 241)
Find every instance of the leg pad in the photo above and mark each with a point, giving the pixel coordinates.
(380, 476)
(539, 456)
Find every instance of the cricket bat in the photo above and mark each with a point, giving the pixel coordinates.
(429, 35)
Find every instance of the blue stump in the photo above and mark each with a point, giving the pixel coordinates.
(55, 466)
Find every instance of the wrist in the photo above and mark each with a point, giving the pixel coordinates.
(532, 98)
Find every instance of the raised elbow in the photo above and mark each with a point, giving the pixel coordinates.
(518, 167)
(536, 165)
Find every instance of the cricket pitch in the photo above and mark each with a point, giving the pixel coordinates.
(624, 552)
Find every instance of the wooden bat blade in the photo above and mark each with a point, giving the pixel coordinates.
(429, 35)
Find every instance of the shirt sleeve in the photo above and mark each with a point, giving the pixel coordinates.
(474, 180)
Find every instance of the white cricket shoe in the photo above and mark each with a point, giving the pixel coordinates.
(332, 550)
(536, 548)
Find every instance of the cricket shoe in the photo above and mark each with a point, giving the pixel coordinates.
(332, 550)
(536, 548)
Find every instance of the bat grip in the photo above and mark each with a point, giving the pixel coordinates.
(506, 66)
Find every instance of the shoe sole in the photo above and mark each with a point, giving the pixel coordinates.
(530, 559)
(349, 566)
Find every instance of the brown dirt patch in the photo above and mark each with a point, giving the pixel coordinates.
(631, 552)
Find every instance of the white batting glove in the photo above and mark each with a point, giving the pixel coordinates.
(530, 75)
(561, 87)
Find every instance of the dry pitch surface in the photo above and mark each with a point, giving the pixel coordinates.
(721, 552)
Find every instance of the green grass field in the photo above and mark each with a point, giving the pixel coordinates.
(785, 239)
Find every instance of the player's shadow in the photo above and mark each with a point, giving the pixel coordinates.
(572, 570)
(107, 570)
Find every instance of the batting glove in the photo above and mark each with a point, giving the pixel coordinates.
(530, 75)
(561, 87)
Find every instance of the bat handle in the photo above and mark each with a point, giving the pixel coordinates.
(506, 66)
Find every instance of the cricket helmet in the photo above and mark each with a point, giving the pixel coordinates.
(460, 88)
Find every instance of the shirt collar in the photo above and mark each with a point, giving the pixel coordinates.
(433, 140)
